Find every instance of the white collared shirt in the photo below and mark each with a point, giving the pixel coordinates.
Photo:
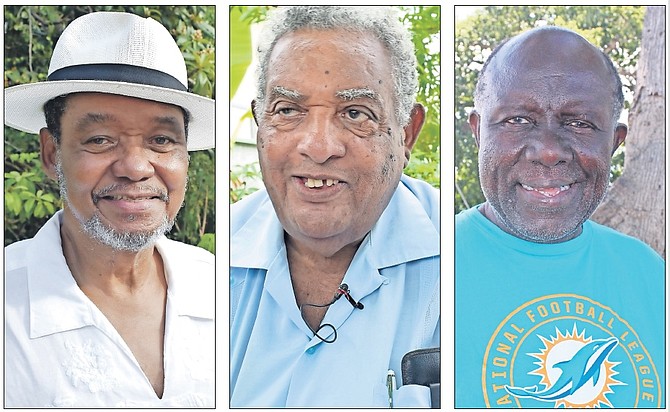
(60, 350)
(275, 358)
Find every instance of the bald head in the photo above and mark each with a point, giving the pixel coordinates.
(551, 51)
(546, 126)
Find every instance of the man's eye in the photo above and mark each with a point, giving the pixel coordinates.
(287, 111)
(517, 120)
(97, 140)
(356, 115)
(162, 140)
(580, 124)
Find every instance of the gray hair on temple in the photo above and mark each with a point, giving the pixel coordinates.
(382, 22)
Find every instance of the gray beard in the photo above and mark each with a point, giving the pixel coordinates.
(94, 228)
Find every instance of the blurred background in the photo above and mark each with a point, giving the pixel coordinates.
(634, 39)
(245, 22)
(30, 35)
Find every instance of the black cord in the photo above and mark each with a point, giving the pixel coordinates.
(316, 332)
(343, 289)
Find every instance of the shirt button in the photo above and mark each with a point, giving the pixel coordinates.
(311, 350)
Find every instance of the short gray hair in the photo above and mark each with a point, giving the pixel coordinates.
(382, 22)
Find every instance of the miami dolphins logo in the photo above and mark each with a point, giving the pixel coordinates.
(569, 351)
(574, 370)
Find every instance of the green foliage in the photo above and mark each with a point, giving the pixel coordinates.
(424, 23)
(196, 218)
(241, 178)
(207, 241)
(29, 195)
(30, 34)
(615, 29)
(240, 55)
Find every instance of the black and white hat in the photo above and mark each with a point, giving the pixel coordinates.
(116, 53)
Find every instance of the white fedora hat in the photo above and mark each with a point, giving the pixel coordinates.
(116, 53)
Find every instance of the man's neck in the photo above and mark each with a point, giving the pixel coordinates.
(129, 288)
(316, 276)
(99, 267)
(310, 256)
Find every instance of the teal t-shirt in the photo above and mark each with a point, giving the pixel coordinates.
(573, 324)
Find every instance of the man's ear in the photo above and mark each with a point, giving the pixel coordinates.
(474, 120)
(48, 153)
(620, 133)
(253, 111)
(416, 119)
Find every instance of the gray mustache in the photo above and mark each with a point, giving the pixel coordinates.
(121, 188)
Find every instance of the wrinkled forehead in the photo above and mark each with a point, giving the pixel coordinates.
(335, 51)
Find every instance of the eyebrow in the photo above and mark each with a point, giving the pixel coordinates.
(346, 94)
(92, 118)
(356, 93)
(100, 118)
(170, 121)
(288, 93)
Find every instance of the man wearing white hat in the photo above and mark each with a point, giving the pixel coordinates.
(101, 309)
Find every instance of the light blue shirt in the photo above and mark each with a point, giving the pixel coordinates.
(276, 361)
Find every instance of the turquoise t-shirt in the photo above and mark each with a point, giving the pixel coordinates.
(574, 324)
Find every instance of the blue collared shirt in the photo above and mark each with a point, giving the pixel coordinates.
(277, 361)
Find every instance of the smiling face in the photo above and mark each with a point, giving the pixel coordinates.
(546, 134)
(122, 164)
(330, 148)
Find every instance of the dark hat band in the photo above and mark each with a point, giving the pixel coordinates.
(118, 73)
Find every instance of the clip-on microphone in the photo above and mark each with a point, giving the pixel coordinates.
(344, 290)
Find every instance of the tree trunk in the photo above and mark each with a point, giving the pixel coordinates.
(635, 204)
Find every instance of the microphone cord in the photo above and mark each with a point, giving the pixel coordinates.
(343, 289)
(324, 325)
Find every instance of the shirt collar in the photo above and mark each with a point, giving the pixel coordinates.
(259, 240)
(191, 291)
(403, 233)
(57, 304)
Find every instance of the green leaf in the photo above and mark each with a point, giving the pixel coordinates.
(13, 203)
(40, 211)
(28, 206)
(50, 208)
(48, 197)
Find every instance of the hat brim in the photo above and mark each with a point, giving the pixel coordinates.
(24, 105)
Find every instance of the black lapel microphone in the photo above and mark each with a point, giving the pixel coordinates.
(344, 290)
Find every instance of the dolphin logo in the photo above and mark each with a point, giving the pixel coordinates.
(584, 365)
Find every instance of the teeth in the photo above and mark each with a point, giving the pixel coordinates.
(127, 198)
(312, 183)
(547, 191)
(527, 187)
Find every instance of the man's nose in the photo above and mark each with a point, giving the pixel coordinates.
(134, 163)
(548, 148)
(321, 137)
